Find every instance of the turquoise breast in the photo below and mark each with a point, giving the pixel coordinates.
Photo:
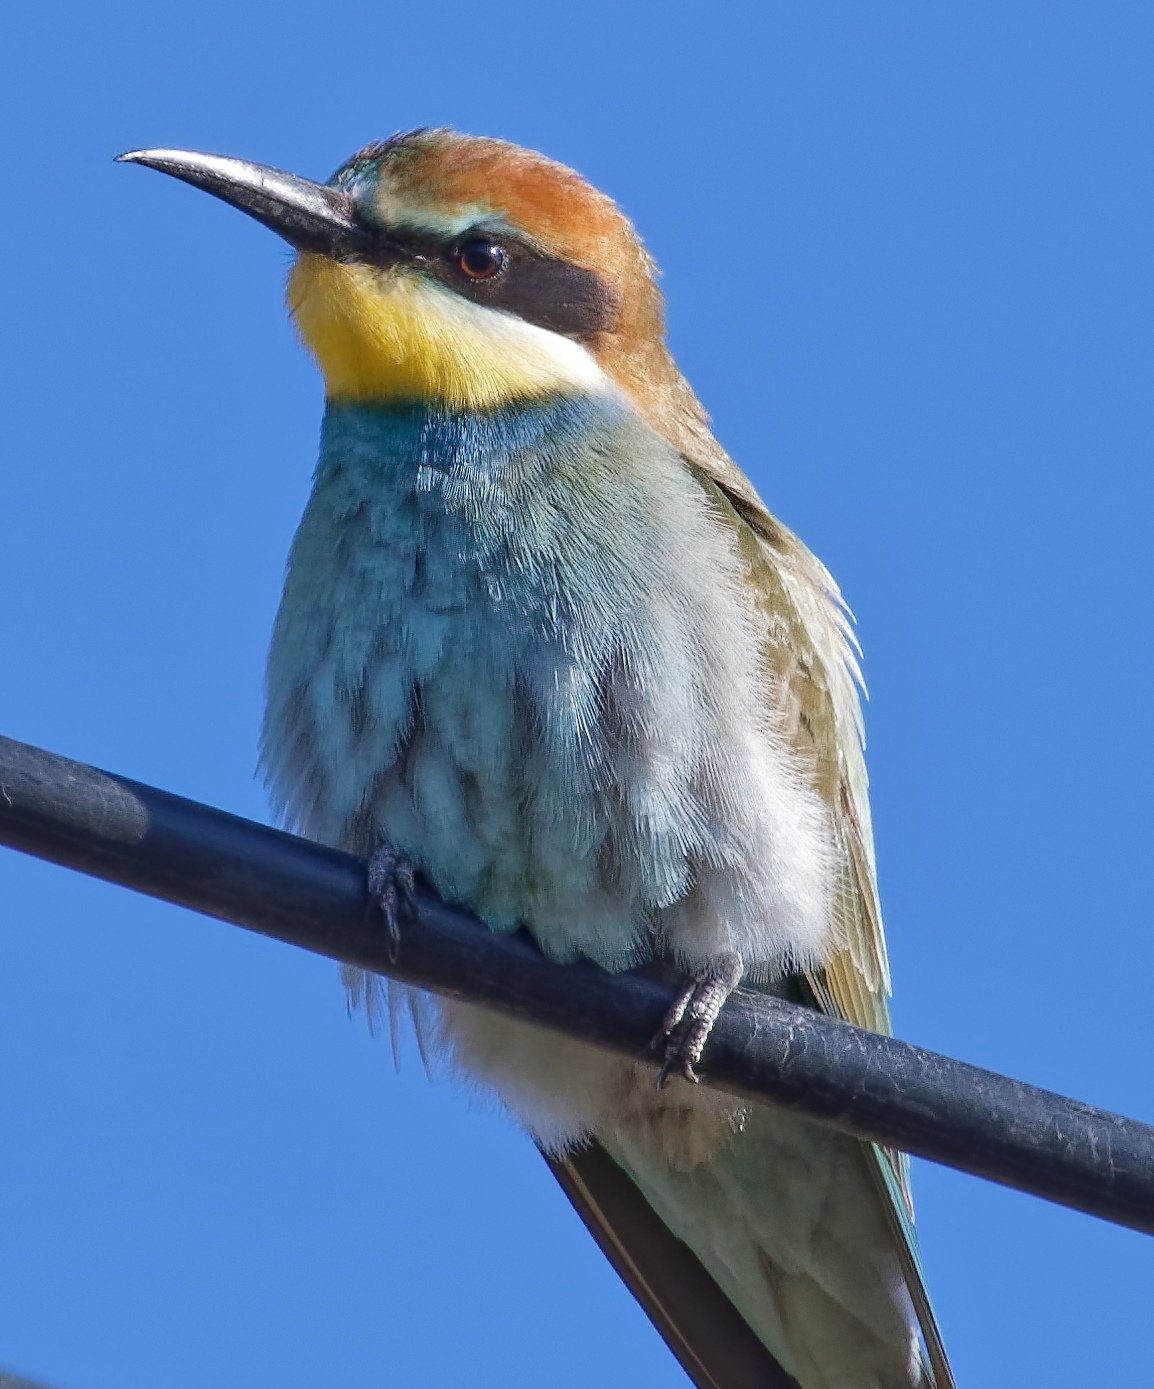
(519, 646)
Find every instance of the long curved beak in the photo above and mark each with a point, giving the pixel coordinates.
(310, 216)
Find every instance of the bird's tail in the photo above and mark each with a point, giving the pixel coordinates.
(790, 1221)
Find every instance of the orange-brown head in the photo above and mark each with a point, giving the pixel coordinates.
(463, 270)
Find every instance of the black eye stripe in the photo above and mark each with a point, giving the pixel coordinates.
(553, 294)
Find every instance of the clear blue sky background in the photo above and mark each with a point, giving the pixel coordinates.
(908, 256)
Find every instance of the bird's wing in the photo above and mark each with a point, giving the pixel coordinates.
(815, 678)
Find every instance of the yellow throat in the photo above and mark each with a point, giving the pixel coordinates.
(381, 335)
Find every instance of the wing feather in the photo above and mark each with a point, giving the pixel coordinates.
(815, 683)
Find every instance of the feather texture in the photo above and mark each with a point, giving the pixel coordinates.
(552, 661)
(540, 635)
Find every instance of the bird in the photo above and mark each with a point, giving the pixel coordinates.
(542, 645)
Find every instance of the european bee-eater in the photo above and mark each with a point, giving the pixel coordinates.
(542, 643)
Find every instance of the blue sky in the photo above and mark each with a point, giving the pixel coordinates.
(907, 250)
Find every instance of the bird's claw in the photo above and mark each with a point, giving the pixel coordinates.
(392, 885)
(686, 1026)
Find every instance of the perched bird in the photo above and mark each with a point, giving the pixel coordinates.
(542, 643)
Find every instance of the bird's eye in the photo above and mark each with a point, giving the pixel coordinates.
(481, 259)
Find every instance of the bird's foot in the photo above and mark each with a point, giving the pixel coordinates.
(686, 1027)
(391, 885)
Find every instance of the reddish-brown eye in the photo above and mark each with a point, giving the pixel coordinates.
(481, 259)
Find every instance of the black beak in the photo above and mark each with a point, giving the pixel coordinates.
(310, 216)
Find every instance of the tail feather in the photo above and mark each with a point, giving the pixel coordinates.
(700, 1325)
(896, 1206)
(788, 1222)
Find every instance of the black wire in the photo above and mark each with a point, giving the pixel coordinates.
(762, 1048)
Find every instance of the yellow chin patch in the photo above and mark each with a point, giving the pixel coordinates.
(396, 335)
